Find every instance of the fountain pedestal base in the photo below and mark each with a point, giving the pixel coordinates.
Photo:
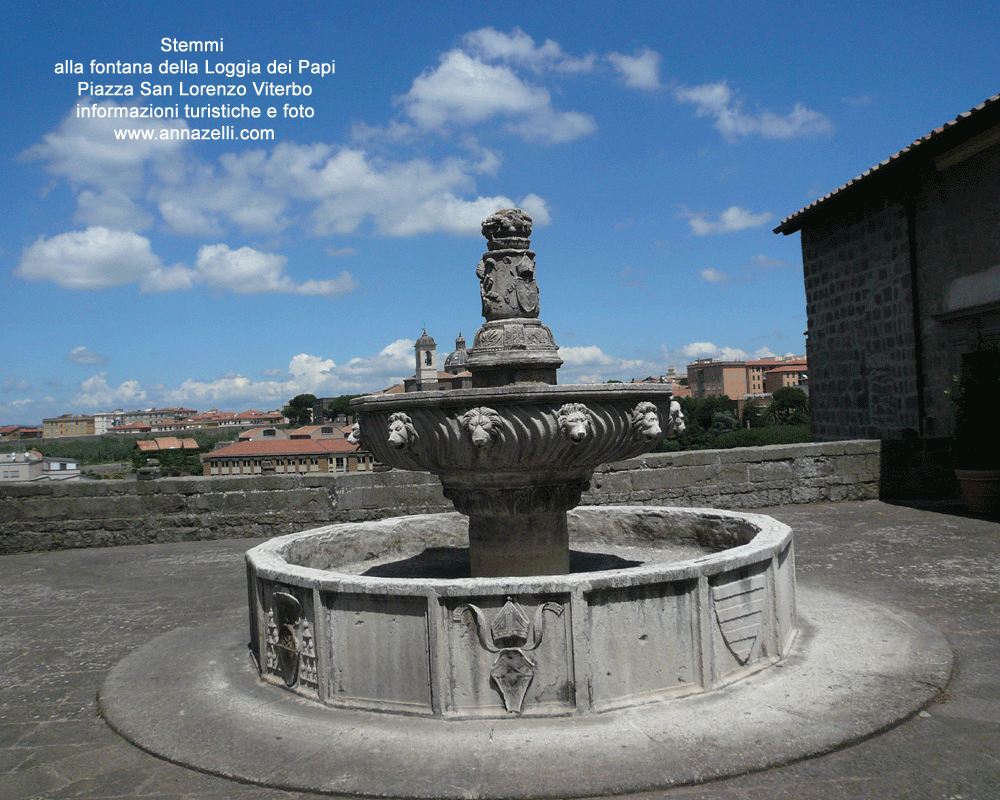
(531, 544)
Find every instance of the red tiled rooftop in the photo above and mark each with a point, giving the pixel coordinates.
(284, 447)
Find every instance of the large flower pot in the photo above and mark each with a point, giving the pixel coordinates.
(981, 489)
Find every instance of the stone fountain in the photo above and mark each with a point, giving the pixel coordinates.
(675, 602)
(521, 646)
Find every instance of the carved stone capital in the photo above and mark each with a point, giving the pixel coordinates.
(512, 501)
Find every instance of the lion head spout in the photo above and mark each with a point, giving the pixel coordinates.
(483, 425)
(575, 422)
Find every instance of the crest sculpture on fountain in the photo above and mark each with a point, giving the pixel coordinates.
(513, 346)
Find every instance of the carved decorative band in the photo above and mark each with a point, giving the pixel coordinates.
(513, 501)
(513, 335)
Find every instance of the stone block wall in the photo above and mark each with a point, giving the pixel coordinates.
(53, 516)
(958, 238)
(871, 366)
(861, 347)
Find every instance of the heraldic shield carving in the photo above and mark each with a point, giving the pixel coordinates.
(290, 645)
(511, 636)
(739, 609)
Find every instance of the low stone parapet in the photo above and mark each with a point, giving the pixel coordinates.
(55, 516)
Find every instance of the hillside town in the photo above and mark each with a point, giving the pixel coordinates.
(276, 442)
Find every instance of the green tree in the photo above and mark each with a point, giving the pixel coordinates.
(753, 415)
(788, 406)
(723, 422)
(300, 409)
(340, 406)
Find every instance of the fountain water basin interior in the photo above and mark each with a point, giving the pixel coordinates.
(357, 615)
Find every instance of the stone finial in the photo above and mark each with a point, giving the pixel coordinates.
(508, 228)
(507, 272)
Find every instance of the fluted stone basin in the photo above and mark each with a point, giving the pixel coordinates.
(514, 459)
(666, 603)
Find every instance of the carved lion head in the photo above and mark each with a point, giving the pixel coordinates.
(402, 434)
(575, 422)
(482, 424)
(646, 421)
(675, 424)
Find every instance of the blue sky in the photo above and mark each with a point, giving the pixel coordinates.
(656, 145)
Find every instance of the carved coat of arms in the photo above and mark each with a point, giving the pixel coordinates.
(511, 636)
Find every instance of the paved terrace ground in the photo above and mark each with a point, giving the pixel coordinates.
(69, 616)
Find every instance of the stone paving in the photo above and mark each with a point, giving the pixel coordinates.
(69, 616)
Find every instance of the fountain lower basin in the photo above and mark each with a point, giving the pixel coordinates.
(607, 637)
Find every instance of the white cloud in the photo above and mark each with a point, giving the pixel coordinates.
(464, 90)
(249, 271)
(329, 189)
(85, 149)
(713, 275)
(96, 393)
(96, 258)
(696, 350)
(590, 364)
(762, 263)
(731, 220)
(716, 100)
(16, 385)
(639, 71)
(518, 48)
(83, 355)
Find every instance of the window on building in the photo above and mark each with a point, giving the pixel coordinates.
(269, 432)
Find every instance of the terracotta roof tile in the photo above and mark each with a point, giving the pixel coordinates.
(286, 447)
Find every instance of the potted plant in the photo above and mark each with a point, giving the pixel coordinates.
(976, 440)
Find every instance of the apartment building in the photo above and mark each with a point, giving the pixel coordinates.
(67, 425)
(31, 466)
(709, 377)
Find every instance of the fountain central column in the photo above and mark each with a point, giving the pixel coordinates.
(517, 523)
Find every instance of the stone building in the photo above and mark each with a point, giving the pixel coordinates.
(288, 456)
(902, 277)
(428, 378)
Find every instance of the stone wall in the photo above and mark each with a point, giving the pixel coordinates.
(106, 513)
(879, 347)
(861, 346)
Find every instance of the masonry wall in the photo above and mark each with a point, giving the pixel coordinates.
(106, 513)
(863, 348)
(958, 237)
(861, 345)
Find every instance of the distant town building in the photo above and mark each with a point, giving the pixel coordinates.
(676, 381)
(9, 433)
(67, 425)
(740, 380)
(32, 466)
(156, 416)
(104, 421)
(166, 443)
(288, 456)
(427, 378)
